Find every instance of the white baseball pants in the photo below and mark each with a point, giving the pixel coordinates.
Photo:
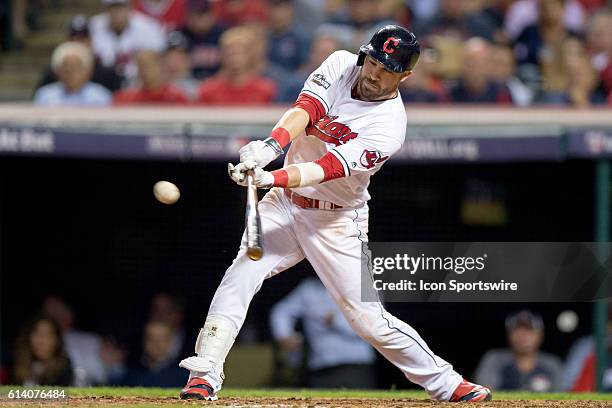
(331, 242)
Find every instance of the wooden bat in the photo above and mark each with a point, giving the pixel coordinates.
(252, 221)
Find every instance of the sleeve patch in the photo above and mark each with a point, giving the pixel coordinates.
(320, 80)
(370, 158)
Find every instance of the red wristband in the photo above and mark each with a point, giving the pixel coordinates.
(281, 178)
(281, 135)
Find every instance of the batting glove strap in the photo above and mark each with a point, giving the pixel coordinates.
(276, 147)
(282, 136)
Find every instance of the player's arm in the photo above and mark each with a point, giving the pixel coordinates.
(366, 153)
(306, 174)
(306, 111)
(311, 105)
(291, 125)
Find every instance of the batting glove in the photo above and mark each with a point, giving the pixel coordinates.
(261, 178)
(260, 151)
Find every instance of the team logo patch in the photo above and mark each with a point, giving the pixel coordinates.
(370, 158)
(320, 80)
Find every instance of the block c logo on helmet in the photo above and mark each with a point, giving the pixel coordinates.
(390, 50)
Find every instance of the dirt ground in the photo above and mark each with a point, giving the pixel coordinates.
(269, 402)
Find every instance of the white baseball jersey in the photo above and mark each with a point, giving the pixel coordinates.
(142, 33)
(362, 135)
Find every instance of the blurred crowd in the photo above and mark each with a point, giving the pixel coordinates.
(315, 347)
(51, 350)
(248, 52)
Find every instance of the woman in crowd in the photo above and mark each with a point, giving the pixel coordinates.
(40, 358)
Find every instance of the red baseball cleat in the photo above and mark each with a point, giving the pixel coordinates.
(198, 388)
(469, 392)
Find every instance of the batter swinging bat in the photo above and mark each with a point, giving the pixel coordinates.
(252, 221)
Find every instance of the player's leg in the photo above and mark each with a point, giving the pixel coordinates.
(239, 284)
(331, 241)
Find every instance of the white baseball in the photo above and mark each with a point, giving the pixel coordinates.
(567, 321)
(166, 192)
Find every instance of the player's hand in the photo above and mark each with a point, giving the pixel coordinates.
(258, 151)
(238, 173)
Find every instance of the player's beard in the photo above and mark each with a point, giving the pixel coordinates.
(369, 91)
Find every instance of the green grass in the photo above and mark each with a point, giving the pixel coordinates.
(379, 394)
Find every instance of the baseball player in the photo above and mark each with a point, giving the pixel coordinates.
(347, 121)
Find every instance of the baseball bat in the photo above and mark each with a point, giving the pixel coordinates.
(252, 221)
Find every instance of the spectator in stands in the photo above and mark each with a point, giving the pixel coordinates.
(119, 33)
(169, 309)
(448, 52)
(289, 44)
(423, 86)
(356, 22)
(114, 355)
(458, 18)
(580, 366)
(157, 367)
(337, 357)
(503, 71)
(538, 48)
(580, 79)
(322, 47)
(524, 13)
(177, 66)
(423, 10)
(312, 13)
(599, 43)
(263, 65)
(170, 14)
(203, 33)
(40, 358)
(78, 30)
(593, 6)
(239, 81)
(82, 348)
(232, 13)
(153, 87)
(496, 10)
(476, 84)
(19, 17)
(523, 366)
(72, 62)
